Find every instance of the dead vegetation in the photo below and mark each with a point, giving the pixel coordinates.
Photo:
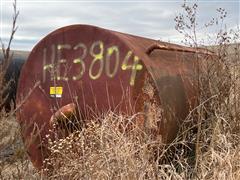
(14, 163)
(208, 149)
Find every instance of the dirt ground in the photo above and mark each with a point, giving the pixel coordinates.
(14, 163)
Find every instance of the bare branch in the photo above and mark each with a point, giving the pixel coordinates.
(7, 55)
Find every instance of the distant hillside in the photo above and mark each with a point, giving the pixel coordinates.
(230, 48)
(21, 55)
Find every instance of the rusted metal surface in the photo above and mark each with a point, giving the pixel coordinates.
(66, 120)
(100, 70)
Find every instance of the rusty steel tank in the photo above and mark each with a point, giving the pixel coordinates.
(98, 70)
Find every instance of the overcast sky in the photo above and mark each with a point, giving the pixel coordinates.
(153, 19)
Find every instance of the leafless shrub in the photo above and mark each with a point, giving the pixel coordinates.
(7, 56)
(14, 163)
(217, 139)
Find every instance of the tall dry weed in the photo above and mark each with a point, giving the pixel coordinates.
(14, 163)
(217, 138)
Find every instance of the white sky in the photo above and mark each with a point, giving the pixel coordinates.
(152, 19)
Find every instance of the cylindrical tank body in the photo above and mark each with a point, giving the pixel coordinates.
(102, 70)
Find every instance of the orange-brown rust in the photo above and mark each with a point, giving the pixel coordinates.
(180, 49)
(64, 116)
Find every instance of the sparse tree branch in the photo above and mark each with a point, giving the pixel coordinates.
(6, 51)
(7, 55)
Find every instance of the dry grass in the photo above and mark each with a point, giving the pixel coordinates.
(14, 163)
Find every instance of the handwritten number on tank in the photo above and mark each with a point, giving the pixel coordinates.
(96, 51)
